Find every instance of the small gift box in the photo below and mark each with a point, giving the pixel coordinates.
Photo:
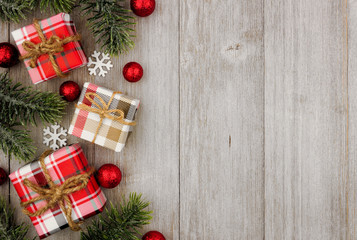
(104, 117)
(58, 191)
(50, 47)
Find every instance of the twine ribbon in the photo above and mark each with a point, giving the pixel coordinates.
(56, 194)
(103, 111)
(50, 46)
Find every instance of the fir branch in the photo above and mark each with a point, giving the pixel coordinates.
(15, 10)
(9, 230)
(16, 143)
(23, 104)
(57, 6)
(110, 23)
(122, 222)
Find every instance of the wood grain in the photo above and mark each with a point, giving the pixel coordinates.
(222, 120)
(306, 161)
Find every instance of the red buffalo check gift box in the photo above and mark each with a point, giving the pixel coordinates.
(61, 165)
(104, 117)
(70, 58)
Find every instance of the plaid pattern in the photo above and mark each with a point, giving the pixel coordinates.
(61, 165)
(72, 57)
(112, 134)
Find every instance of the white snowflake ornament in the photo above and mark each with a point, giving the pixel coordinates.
(57, 135)
(99, 64)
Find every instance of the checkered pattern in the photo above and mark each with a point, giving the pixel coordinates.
(61, 165)
(72, 57)
(112, 134)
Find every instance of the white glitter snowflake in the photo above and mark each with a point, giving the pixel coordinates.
(99, 64)
(57, 135)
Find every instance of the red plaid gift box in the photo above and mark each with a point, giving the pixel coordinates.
(61, 165)
(72, 57)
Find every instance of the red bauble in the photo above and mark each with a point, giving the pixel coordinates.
(153, 235)
(109, 176)
(70, 91)
(9, 56)
(3, 176)
(133, 72)
(142, 8)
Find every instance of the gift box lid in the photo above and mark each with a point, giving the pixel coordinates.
(61, 165)
(72, 57)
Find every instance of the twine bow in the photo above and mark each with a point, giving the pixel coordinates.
(103, 111)
(50, 46)
(56, 194)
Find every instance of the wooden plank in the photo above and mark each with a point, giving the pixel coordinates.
(20, 74)
(150, 160)
(351, 175)
(221, 120)
(306, 163)
(4, 159)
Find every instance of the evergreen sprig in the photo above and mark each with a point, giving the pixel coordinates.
(15, 10)
(23, 104)
(57, 6)
(122, 222)
(110, 23)
(16, 142)
(9, 230)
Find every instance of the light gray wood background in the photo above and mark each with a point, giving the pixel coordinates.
(247, 122)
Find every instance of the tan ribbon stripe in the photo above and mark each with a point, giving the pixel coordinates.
(56, 194)
(104, 111)
(50, 46)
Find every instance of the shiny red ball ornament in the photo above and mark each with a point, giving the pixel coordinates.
(70, 91)
(108, 176)
(133, 72)
(153, 235)
(9, 55)
(3, 176)
(142, 8)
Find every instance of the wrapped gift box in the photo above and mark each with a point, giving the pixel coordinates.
(110, 133)
(61, 165)
(72, 57)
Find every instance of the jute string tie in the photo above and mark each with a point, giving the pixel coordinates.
(50, 46)
(103, 111)
(56, 194)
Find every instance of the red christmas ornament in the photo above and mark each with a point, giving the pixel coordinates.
(153, 235)
(70, 91)
(9, 55)
(133, 72)
(142, 8)
(108, 176)
(3, 176)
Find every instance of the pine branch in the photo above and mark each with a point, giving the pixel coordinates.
(16, 143)
(15, 10)
(9, 230)
(23, 104)
(57, 6)
(121, 222)
(110, 23)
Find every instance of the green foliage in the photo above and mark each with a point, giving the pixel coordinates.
(57, 6)
(20, 106)
(9, 230)
(16, 142)
(122, 222)
(110, 23)
(15, 10)
(23, 104)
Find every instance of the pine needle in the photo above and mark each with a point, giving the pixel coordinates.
(57, 6)
(121, 222)
(9, 230)
(23, 104)
(110, 23)
(15, 10)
